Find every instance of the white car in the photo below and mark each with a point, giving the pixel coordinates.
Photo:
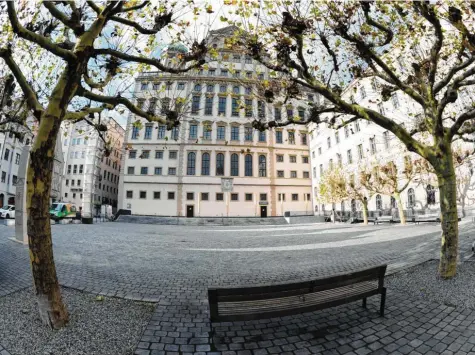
(7, 211)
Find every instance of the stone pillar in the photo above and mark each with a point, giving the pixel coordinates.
(21, 234)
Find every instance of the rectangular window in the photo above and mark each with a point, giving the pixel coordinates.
(144, 86)
(306, 175)
(281, 197)
(148, 131)
(295, 197)
(372, 144)
(209, 105)
(234, 107)
(151, 106)
(357, 126)
(262, 197)
(75, 169)
(381, 108)
(280, 158)
(262, 136)
(386, 139)
(248, 59)
(132, 154)
(158, 171)
(224, 72)
(212, 72)
(234, 133)
(303, 138)
(79, 182)
(293, 174)
(73, 182)
(248, 134)
(350, 158)
(195, 104)
(171, 171)
(248, 105)
(305, 160)
(290, 112)
(207, 131)
(204, 196)
(159, 154)
(162, 132)
(278, 113)
(143, 194)
(67, 182)
(145, 154)
(280, 173)
(234, 197)
(293, 158)
(337, 137)
(131, 170)
(219, 196)
(193, 131)
(69, 169)
(17, 159)
(301, 112)
(81, 168)
(222, 106)
(395, 100)
(222, 88)
(248, 197)
(362, 92)
(144, 170)
(171, 195)
(190, 196)
(314, 171)
(278, 137)
(156, 195)
(209, 88)
(329, 142)
(261, 109)
(291, 137)
(347, 131)
(129, 194)
(221, 133)
(172, 154)
(7, 153)
(135, 132)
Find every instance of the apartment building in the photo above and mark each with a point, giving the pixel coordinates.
(361, 143)
(214, 163)
(91, 178)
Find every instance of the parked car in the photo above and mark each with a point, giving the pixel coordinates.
(7, 211)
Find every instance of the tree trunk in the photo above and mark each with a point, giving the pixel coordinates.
(365, 212)
(449, 219)
(402, 217)
(50, 304)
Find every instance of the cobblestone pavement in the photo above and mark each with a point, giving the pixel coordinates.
(174, 265)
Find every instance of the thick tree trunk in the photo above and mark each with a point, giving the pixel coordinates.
(402, 217)
(365, 212)
(449, 219)
(50, 305)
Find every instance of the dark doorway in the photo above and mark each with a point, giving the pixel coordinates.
(263, 211)
(190, 211)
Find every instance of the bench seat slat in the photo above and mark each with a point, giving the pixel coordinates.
(309, 299)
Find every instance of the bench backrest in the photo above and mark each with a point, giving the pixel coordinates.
(240, 294)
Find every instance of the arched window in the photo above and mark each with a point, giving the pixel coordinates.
(262, 166)
(197, 88)
(234, 164)
(220, 164)
(248, 165)
(393, 202)
(191, 164)
(353, 205)
(323, 207)
(411, 197)
(430, 195)
(236, 90)
(342, 206)
(379, 202)
(205, 164)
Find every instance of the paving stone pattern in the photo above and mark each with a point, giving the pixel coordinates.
(161, 264)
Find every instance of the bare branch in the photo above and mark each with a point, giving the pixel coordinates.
(86, 112)
(160, 22)
(40, 40)
(75, 24)
(145, 60)
(30, 95)
(454, 70)
(464, 117)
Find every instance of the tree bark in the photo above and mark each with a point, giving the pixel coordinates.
(402, 217)
(50, 305)
(449, 219)
(365, 212)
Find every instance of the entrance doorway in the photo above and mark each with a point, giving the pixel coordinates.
(263, 211)
(190, 211)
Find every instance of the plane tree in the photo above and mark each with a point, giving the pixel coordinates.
(69, 59)
(423, 51)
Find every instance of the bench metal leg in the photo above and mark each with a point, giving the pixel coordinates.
(383, 301)
(364, 302)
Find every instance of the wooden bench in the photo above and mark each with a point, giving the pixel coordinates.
(427, 218)
(248, 303)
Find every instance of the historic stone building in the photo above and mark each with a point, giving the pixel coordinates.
(214, 163)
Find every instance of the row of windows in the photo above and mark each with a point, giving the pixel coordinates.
(7, 156)
(219, 196)
(76, 141)
(79, 169)
(220, 133)
(6, 178)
